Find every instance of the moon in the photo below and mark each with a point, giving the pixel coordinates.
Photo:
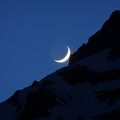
(65, 58)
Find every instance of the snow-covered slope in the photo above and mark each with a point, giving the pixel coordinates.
(88, 89)
(99, 61)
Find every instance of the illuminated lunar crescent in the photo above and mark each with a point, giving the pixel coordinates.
(65, 58)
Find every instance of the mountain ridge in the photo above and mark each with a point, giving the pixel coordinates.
(101, 39)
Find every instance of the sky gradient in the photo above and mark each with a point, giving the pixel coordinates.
(34, 32)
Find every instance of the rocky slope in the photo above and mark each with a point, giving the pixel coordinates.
(88, 89)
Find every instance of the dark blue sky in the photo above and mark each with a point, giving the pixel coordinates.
(34, 32)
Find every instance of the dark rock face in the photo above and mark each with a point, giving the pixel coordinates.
(78, 91)
(107, 37)
(74, 75)
(38, 104)
(114, 115)
(14, 100)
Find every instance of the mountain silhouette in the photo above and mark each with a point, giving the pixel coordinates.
(87, 89)
(107, 37)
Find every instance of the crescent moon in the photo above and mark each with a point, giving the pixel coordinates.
(65, 58)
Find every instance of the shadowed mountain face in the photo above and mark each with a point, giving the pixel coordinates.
(87, 89)
(107, 37)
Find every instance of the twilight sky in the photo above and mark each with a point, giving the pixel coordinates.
(34, 32)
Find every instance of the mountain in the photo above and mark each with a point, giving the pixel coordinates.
(87, 89)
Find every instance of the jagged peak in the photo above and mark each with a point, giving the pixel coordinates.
(112, 21)
(107, 37)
